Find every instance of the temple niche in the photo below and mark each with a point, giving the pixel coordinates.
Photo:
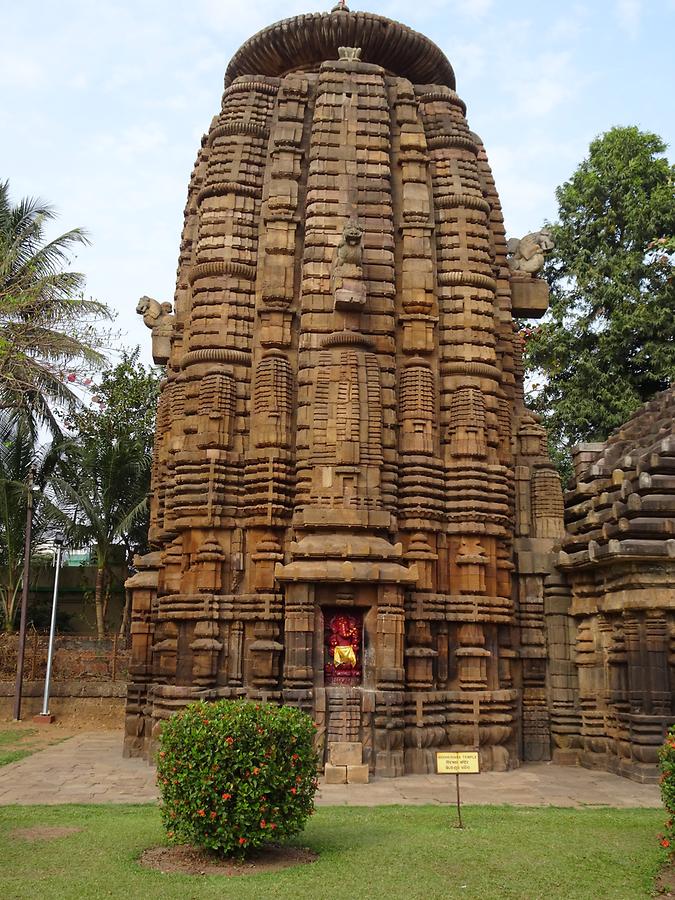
(352, 510)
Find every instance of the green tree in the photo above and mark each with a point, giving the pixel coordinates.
(104, 479)
(48, 330)
(19, 455)
(607, 343)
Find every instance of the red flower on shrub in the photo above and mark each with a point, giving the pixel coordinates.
(227, 796)
(243, 841)
(201, 812)
(256, 771)
(229, 740)
(213, 814)
(665, 842)
(294, 791)
(262, 823)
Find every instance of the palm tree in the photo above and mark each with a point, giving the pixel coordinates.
(19, 454)
(101, 490)
(47, 328)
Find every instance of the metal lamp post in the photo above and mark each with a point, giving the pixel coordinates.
(45, 715)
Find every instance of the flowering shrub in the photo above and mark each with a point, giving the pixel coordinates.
(235, 776)
(667, 782)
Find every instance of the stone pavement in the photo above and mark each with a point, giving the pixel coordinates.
(89, 768)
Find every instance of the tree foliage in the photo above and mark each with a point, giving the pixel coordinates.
(103, 481)
(20, 454)
(607, 343)
(47, 328)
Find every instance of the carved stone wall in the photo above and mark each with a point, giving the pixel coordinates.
(612, 604)
(341, 426)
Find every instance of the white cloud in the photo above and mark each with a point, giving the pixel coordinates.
(629, 13)
(20, 71)
(468, 59)
(132, 143)
(569, 27)
(473, 9)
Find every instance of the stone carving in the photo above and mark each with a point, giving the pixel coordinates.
(352, 510)
(353, 54)
(528, 254)
(157, 316)
(349, 288)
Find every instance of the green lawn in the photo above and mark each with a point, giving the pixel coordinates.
(9, 752)
(17, 742)
(392, 853)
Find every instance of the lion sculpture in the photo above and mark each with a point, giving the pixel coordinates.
(528, 254)
(157, 316)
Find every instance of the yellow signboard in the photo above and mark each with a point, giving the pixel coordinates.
(461, 763)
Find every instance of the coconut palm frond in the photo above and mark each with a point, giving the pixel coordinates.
(46, 325)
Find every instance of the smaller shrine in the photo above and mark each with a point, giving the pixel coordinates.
(611, 609)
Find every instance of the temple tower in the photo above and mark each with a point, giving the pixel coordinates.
(334, 487)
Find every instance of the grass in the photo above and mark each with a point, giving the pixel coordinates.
(10, 756)
(17, 742)
(383, 853)
(11, 741)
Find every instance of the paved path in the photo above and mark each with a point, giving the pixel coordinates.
(89, 768)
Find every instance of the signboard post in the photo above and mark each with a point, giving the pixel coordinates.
(460, 763)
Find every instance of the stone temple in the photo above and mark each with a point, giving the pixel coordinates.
(353, 511)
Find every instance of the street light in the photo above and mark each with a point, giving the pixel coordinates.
(45, 716)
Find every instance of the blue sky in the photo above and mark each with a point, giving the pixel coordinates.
(102, 106)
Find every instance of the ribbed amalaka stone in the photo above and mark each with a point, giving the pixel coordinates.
(335, 491)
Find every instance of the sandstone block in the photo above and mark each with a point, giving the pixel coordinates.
(335, 774)
(357, 774)
(345, 753)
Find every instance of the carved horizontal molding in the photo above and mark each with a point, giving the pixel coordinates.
(221, 267)
(220, 188)
(217, 355)
(243, 87)
(347, 339)
(253, 129)
(479, 369)
(457, 141)
(471, 279)
(469, 201)
(446, 96)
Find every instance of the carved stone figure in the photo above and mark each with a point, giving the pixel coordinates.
(528, 254)
(347, 271)
(349, 253)
(157, 316)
